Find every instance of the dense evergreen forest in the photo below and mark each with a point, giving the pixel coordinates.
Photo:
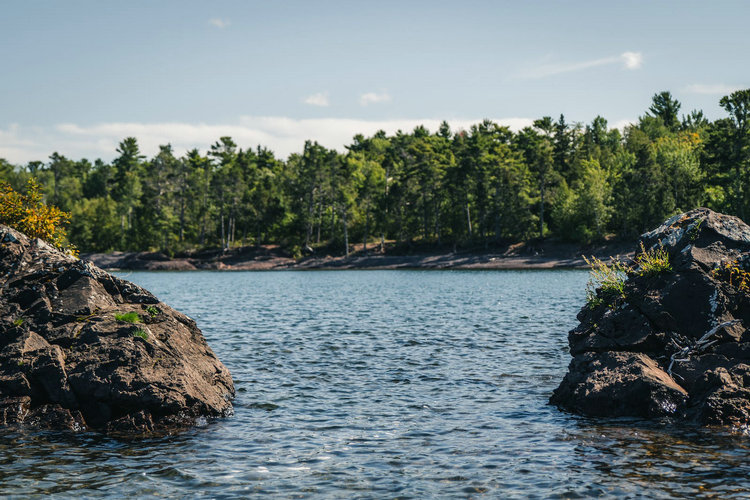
(466, 189)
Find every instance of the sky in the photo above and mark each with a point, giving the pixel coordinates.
(78, 76)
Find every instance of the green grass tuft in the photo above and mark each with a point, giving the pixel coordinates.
(131, 317)
(18, 322)
(152, 310)
(140, 333)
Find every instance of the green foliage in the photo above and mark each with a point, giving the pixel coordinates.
(18, 322)
(652, 262)
(487, 185)
(583, 212)
(606, 283)
(130, 317)
(30, 215)
(140, 333)
(153, 311)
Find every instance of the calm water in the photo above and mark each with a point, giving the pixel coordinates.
(362, 384)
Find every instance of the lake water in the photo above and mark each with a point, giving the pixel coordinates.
(384, 384)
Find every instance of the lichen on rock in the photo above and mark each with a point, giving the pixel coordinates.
(677, 344)
(67, 362)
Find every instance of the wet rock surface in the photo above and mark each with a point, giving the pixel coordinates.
(68, 362)
(677, 344)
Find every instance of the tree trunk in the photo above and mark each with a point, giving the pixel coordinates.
(223, 241)
(346, 233)
(320, 220)
(541, 211)
(367, 228)
(310, 211)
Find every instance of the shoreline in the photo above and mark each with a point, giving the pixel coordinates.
(524, 256)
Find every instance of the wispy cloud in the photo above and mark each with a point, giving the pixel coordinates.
(320, 99)
(712, 88)
(19, 144)
(373, 98)
(628, 60)
(217, 22)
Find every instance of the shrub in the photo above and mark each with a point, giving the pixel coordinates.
(28, 214)
(131, 317)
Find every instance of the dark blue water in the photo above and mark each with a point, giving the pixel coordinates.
(392, 384)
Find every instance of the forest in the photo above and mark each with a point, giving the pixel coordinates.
(467, 189)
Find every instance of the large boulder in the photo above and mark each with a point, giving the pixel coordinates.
(674, 343)
(82, 349)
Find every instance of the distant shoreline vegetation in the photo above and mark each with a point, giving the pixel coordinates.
(484, 186)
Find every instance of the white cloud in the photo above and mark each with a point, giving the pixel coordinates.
(630, 60)
(319, 99)
(622, 124)
(373, 98)
(282, 135)
(218, 22)
(712, 88)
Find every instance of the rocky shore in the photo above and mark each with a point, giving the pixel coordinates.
(82, 349)
(541, 255)
(675, 342)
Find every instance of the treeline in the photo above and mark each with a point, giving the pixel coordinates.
(480, 187)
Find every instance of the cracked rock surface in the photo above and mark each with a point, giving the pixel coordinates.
(66, 362)
(677, 344)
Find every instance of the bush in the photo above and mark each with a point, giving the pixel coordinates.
(28, 214)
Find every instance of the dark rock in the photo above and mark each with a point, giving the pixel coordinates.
(66, 362)
(678, 344)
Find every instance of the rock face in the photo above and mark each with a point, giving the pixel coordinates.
(676, 344)
(82, 349)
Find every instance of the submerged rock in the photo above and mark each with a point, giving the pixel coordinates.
(80, 348)
(675, 343)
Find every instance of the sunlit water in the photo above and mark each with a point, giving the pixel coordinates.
(392, 384)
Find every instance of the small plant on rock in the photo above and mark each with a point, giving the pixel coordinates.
(652, 262)
(152, 311)
(140, 333)
(694, 230)
(732, 273)
(131, 317)
(606, 283)
(18, 322)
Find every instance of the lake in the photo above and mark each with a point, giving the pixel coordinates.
(386, 384)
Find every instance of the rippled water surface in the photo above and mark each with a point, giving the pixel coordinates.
(392, 384)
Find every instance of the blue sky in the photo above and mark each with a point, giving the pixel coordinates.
(78, 76)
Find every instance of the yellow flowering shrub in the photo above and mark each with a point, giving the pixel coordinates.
(30, 215)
